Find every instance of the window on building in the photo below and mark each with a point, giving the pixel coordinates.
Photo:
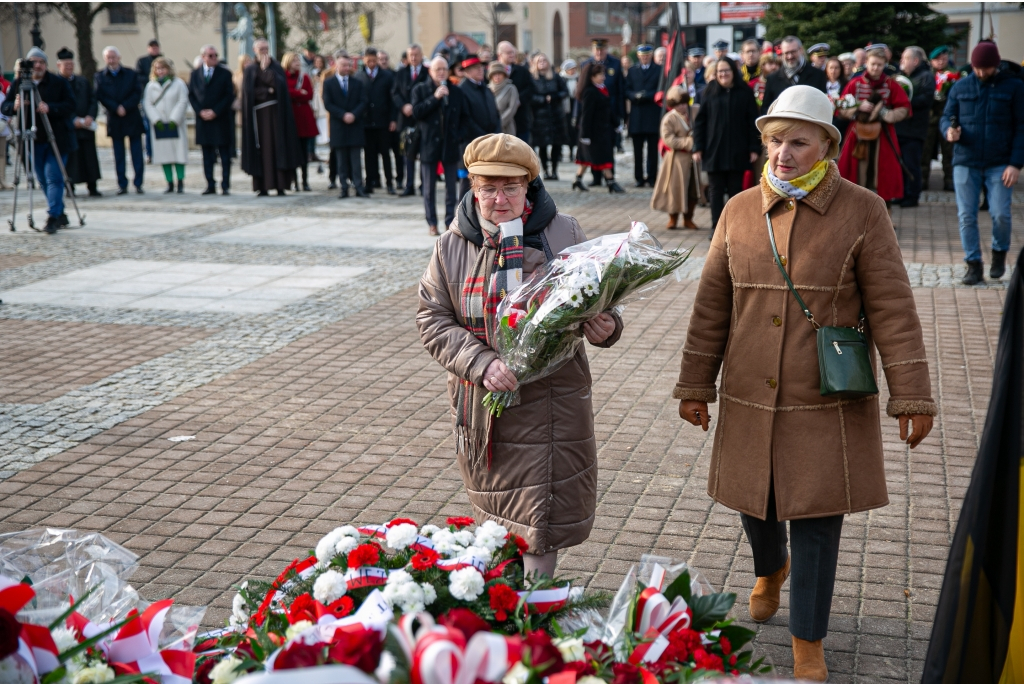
(121, 13)
(507, 32)
(958, 40)
(606, 17)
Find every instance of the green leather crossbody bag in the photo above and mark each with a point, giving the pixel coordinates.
(843, 360)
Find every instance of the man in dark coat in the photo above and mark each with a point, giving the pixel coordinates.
(346, 100)
(83, 166)
(406, 79)
(270, 139)
(644, 115)
(794, 69)
(142, 68)
(379, 119)
(395, 136)
(211, 93)
(523, 81)
(912, 131)
(614, 81)
(56, 102)
(119, 91)
(438, 110)
(481, 116)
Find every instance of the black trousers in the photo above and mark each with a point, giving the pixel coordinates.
(210, 154)
(720, 183)
(378, 144)
(651, 142)
(815, 549)
(395, 141)
(451, 191)
(350, 165)
(911, 150)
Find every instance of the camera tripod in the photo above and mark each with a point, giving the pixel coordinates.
(26, 155)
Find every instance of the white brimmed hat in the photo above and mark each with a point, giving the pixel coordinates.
(802, 103)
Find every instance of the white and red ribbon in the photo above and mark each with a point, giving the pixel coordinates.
(656, 617)
(544, 601)
(379, 532)
(365, 576)
(439, 654)
(35, 644)
(137, 646)
(465, 561)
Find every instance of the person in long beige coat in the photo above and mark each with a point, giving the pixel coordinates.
(782, 451)
(533, 469)
(675, 191)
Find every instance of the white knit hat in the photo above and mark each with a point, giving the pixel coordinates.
(802, 103)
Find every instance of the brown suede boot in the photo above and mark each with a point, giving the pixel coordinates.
(672, 218)
(809, 661)
(688, 218)
(764, 598)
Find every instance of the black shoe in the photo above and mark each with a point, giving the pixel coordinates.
(908, 202)
(181, 186)
(391, 189)
(343, 194)
(281, 193)
(122, 191)
(333, 186)
(225, 192)
(51, 225)
(170, 188)
(361, 192)
(596, 182)
(640, 184)
(998, 267)
(95, 193)
(139, 190)
(975, 273)
(578, 185)
(262, 193)
(62, 221)
(408, 192)
(548, 177)
(306, 188)
(366, 189)
(652, 182)
(211, 190)
(614, 187)
(554, 175)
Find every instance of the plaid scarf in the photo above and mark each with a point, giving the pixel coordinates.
(497, 271)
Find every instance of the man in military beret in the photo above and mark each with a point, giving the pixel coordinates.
(818, 54)
(934, 143)
(695, 63)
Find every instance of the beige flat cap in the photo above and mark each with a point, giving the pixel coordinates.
(501, 155)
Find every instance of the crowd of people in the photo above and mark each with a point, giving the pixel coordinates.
(698, 130)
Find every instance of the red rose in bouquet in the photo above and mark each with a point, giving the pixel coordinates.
(460, 521)
(465, 621)
(366, 554)
(424, 559)
(360, 648)
(625, 672)
(503, 599)
(300, 655)
(545, 658)
(681, 644)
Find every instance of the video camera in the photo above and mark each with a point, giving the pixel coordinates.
(25, 69)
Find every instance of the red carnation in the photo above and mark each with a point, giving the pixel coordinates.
(732, 660)
(724, 643)
(300, 655)
(544, 656)
(522, 544)
(395, 522)
(503, 600)
(460, 521)
(424, 559)
(464, 621)
(10, 629)
(302, 609)
(360, 648)
(707, 662)
(625, 672)
(202, 674)
(681, 644)
(366, 554)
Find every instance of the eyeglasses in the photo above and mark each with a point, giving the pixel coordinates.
(490, 192)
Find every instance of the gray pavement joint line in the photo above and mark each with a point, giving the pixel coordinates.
(939, 395)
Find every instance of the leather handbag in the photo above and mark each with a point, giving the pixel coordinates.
(869, 130)
(844, 362)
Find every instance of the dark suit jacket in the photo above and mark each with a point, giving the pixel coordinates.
(481, 113)
(337, 103)
(142, 68)
(380, 110)
(523, 81)
(217, 95)
(809, 75)
(641, 85)
(122, 90)
(86, 104)
(401, 92)
(439, 124)
(56, 93)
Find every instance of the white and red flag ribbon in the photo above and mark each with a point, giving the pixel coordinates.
(543, 601)
(465, 561)
(365, 576)
(136, 647)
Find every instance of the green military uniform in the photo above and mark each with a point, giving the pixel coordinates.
(934, 141)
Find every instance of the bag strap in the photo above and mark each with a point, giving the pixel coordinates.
(778, 263)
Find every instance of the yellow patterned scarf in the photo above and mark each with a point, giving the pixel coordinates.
(799, 187)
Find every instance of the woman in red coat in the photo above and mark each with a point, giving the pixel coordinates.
(300, 88)
(871, 155)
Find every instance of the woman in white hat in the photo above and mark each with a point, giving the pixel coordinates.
(803, 250)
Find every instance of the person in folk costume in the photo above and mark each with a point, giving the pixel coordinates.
(165, 102)
(83, 165)
(270, 139)
(675, 191)
(596, 127)
(871, 154)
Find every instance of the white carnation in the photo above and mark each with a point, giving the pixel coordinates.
(100, 673)
(296, 629)
(325, 548)
(428, 530)
(466, 584)
(491, 528)
(571, 648)
(226, 670)
(402, 591)
(401, 536)
(349, 531)
(479, 552)
(463, 537)
(445, 543)
(329, 587)
(429, 593)
(399, 578)
(346, 544)
(64, 638)
(239, 611)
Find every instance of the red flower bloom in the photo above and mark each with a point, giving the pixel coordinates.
(625, 672)
(206, 645)
(360, 648)
(724, 643)
(302, 609)
(581, 668)
(681, 644)
(203, 669)
(522, 544)
(503, 600)
(301, 655)
(732, 660)
(465, 621)
(544, 656)
(424, 559)
(10, 629)
(395, 522)
(341, 607)
(707, 662)
(460, 521)
(366, 554)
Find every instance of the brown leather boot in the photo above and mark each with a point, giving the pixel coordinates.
(764, 598)
(809, 661)
(688, 219)
(672, 218)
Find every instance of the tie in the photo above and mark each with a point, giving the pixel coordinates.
(415, 72)
(344, 85)
(209, 73)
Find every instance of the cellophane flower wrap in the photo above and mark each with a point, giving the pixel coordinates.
(538, 326)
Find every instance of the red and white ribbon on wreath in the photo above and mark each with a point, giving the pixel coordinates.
(439, 654)
(465, 561)
(35, 644)
(543, 601)
(656, 617)
(381, 533)
(136, 646)
(365, 576)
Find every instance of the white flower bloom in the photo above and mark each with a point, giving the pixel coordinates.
(590, 290)
(571, 648)
(329, 587)
(346, 545)
(429, 593)
(402, 591)
(493, 528)
(239, 611)
(428, 530)
(64, 638)
(399, 578)
(226, 670)
(296, 629)
(445, 543)
(466, 584)
(401, 536)
(385, 667)
(575, 299)
(517, 674)
(325, 548)
(463, 537)
(348, 531)
(100, 673)
(490, 535)
(590, 680)
(479, 552)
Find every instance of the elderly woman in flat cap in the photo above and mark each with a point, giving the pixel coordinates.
(799, 437)
(534, 469)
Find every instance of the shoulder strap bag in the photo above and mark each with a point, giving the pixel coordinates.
(843, 360)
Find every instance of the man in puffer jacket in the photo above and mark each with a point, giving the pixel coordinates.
(984, 116)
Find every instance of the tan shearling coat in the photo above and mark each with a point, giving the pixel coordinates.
(542, 481)
(671, 191)
(824, 456)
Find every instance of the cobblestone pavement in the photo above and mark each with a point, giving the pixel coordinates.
(326, 409)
